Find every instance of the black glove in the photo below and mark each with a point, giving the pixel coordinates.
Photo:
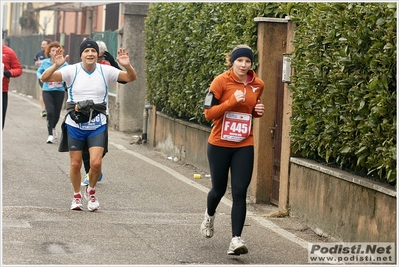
(108, 57)
(7, 73)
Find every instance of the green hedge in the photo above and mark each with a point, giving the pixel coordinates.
(344, 87)
(344, 84)
(186, 45)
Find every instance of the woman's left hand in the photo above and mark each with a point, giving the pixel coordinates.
(260, 108)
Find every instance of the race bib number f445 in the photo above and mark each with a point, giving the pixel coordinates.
(236, 126)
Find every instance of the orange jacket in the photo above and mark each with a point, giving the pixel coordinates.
(12, 64)
(223, 88)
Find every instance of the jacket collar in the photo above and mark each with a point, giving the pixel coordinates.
(250, 72)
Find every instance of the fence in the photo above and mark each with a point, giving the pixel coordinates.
(26, 47)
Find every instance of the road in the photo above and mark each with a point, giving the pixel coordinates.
(150, 214)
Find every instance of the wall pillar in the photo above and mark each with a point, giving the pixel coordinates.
(131, 96)
(272, 42)
(286, 129)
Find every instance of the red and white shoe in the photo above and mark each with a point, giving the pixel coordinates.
(90, 196)
(77, 202)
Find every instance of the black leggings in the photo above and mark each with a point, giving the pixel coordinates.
(53, 101)
(240, 163)
(5, 104)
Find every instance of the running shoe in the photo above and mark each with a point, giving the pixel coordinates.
(87, 179)
(92, 204)
(237, 247)
(77, 202)
(50, 139)
(43, 113)
(207, 225)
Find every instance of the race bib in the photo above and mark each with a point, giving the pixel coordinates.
(54, 84)
(91, 125)
(236, 126)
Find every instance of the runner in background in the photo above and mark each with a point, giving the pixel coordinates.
(37, 60)
(12, 68)
(53, 93)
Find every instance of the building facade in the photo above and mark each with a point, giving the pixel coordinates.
(60, 18)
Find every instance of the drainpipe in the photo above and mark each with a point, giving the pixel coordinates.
(91, 22)
(145, 123)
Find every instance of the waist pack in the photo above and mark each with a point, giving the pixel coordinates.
(84, 111)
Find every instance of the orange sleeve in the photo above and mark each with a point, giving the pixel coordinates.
(225, 104)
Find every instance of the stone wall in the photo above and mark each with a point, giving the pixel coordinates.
(338, 204)
(181, 139)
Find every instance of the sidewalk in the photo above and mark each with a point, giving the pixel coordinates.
(151, 208)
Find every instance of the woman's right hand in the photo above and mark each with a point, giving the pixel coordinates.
(239, 95)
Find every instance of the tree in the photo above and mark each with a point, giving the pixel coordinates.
(28, 20)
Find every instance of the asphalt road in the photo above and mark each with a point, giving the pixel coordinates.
(150, 214)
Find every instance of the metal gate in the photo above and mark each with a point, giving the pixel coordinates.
(27, 46)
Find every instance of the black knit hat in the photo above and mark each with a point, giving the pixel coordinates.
(88, 43)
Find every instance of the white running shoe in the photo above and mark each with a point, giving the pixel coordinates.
(92, 204)
(50, 139)
(237, 247)
(77, 202)
(207, 225)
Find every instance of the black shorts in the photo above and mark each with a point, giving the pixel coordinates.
(93, 138)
